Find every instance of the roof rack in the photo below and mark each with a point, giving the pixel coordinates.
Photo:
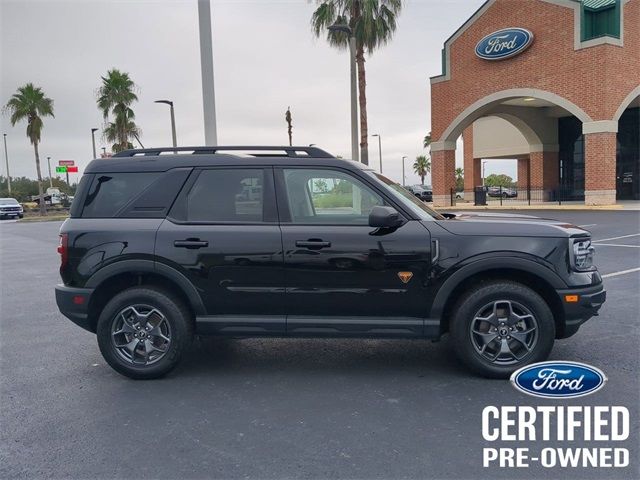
(295, 152)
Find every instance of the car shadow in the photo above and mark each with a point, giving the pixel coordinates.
(323, 356)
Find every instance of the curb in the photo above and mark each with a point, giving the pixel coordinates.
(48, 218)
(534, 207)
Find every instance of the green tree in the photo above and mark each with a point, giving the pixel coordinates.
(373, 23)
(426, 141)
(459, 179)
(115, 97)
(31, 104)
(495, 180)
(422, 166)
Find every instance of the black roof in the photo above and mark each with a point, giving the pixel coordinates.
(166, 158)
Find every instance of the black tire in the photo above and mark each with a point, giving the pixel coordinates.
(174, 313)
(508, 296)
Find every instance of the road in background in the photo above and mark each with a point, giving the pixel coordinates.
(278, 408)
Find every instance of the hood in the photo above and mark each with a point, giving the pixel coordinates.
(508, 225)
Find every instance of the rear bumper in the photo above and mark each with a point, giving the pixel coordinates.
(590, 300)
(73, 303)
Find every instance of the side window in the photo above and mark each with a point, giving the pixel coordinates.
(109, 192)
(227, 195)
(328, 197)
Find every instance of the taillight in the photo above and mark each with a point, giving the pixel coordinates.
(63, 250)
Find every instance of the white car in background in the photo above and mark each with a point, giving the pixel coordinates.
(10, 208)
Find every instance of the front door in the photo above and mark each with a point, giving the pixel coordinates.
(344, 277)
(222, 233)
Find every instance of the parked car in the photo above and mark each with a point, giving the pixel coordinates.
(503, 192)
(10, 208)
(423, 193)
(159, 247)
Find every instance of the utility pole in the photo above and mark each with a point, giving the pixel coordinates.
(206, 66)
(379, 148)
(403, 177)
(287, 117)
(50, 177)
(93, 141)
(6, 159)
(355, 149)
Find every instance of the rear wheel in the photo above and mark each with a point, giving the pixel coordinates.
(500, 327)
(143, 332)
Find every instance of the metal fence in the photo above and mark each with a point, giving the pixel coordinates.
(521, 196)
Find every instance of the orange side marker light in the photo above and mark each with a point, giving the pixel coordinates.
(571, 298)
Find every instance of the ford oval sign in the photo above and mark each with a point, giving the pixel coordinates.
(504, 43)
(558, 379)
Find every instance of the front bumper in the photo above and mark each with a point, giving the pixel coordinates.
(589, 301)
(73, 303)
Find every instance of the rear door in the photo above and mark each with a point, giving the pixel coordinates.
(343, 276)
(222, 233)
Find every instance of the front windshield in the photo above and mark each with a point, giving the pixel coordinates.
(407, 199)
(8, 201)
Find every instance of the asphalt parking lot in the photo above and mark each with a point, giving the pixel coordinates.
(280, 408)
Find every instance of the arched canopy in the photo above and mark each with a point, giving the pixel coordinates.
(489, 105)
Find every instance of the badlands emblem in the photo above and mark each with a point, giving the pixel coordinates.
(405, 276)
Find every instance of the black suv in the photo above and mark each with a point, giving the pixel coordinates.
(163, 244)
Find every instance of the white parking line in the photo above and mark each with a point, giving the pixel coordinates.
(622, 272)
(616, 245)
(617, 238)
(590, 225)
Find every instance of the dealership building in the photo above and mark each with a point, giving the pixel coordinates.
(553, 85)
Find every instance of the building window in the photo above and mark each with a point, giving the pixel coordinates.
(600, 18)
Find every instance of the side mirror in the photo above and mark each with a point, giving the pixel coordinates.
(385, 217)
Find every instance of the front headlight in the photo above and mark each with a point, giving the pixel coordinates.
(582, 255)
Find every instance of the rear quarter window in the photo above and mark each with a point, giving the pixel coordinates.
(110, 192)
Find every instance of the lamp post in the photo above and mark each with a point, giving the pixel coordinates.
(403, 170)
(173, 120)
(6, 159)
(93, 140)
(355, 152)
(50, 177)
(379, 148)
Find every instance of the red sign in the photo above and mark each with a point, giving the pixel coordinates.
(72, 169)
(68, 163)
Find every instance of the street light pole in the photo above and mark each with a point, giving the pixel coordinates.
(403, 177)
(50, 177)
(6, 159)
(379, 148)
(173, 120)
(206, 66)
(355, 151)
(93, 141)
(484, 163)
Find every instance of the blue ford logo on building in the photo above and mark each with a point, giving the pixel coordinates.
(504, 43)
(558, 379)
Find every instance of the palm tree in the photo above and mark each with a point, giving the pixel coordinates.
(459, 178)
(373, 23)
(115, 96)
(30, 103)
(422, 166)
(427, 141)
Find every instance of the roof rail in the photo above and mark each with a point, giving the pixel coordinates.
(296, 152)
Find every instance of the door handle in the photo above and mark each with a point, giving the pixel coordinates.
(312, 244)
(191, 243)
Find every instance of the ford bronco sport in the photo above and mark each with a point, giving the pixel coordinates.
(163, 244)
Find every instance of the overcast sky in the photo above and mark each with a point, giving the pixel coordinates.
(265, 59)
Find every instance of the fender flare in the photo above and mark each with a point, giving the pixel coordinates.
(149, 266)
(512, 263)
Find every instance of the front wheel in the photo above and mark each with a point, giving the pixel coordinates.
(143, 332)
(499, 327)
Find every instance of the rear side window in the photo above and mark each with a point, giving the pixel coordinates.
(227, 195)
(109, 192)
